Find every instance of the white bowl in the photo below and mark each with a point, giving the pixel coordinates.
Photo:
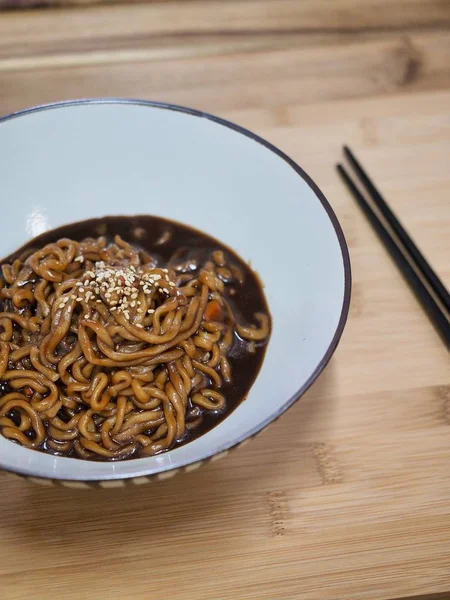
(71, 161)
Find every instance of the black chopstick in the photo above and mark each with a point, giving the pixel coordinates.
(429, 275)
(431, 307)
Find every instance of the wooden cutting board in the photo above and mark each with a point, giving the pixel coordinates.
(347, 496)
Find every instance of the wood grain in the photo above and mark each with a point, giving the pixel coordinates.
(347, 496)
(224, 56)
(250, 16)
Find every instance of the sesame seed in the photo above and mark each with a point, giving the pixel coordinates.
(139, 325)
(79, 258)
(62, 305)
(121, 287)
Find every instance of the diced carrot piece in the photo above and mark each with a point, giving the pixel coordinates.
(213, 311)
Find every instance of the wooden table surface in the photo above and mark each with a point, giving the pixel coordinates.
(347, 497)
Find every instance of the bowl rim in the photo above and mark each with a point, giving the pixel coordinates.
(331, 215)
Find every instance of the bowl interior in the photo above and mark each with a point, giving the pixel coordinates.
(81, 160)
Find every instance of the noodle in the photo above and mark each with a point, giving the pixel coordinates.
(104, 354)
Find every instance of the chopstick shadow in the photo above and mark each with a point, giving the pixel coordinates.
(190, 501)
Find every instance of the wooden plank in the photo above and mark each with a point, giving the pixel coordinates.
(232, 16)
(237, 80)
(346, 11)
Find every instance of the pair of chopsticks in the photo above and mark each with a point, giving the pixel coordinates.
(428, 288)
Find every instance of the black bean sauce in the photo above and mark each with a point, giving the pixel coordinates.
(184, 248)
